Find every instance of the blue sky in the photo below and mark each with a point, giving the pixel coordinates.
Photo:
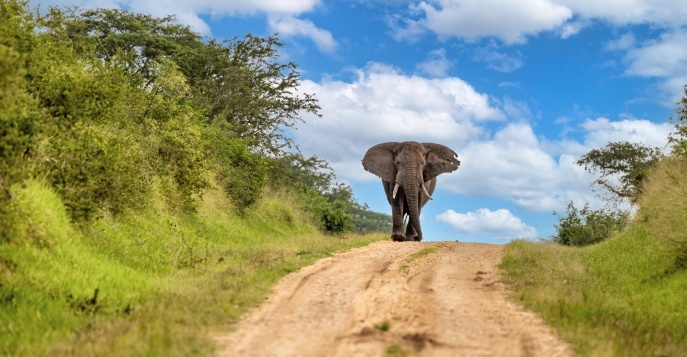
(520, 89)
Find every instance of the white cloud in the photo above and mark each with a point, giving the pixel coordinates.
(405, 29)
(601, 131)
(289, 26)
(499, 225)
(541, 175)
(572, 28)
(513, 21)
(509, 20)
(665, 59)
(515, 165)
(664, 13)
(622, 43)
(381, 104)
(496, 60)
(437, 65)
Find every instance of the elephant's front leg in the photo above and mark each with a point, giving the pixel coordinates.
(397, 215)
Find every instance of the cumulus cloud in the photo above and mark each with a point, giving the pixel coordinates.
(437, 65)
(513, 21)
(602, 130)
(509, 20)
(382, 104)
(515, 165)
(665, 13)
(289, 26)
(665, 59)
(498, 226)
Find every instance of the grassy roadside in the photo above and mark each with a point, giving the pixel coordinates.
(621, 297)
(147, 284)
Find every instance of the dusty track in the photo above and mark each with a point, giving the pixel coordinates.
(449, 302)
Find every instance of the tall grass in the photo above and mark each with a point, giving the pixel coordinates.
(148, 283)
(624, 296)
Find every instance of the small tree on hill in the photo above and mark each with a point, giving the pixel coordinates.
(622, 167)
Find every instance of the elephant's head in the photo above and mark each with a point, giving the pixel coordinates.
(409, 165)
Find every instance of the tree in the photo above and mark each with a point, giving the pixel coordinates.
(19, 117)
(240, 81)
(622, 166)
(678, 138)
(580, 227)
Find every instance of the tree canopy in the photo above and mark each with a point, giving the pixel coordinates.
(622, 167)
(105, 104)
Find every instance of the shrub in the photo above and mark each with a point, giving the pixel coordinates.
(663, 207)
(587, 226)
(240, 172)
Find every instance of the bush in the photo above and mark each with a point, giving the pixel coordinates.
(663, 207)
(241, 173)
(587, 226)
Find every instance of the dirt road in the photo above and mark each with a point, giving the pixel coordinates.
(394, 299)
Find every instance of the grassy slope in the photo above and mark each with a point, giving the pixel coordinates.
(622, 297)
(162, 280)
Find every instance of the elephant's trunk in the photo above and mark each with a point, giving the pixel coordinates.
(411, 190)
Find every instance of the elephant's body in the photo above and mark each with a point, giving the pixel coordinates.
(408, 171)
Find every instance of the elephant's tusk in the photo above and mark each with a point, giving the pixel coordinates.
(395, 190)
(425, 191)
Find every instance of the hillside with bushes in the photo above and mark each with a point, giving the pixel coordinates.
(147, 189)
(612, 282)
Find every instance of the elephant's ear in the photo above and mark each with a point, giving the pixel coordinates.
(379, 160)
(440, 159)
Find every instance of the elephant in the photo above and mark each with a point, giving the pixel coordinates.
(408, 171)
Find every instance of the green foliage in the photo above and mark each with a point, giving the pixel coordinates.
(241, 172)
(116, 129)
(678, 138)
(19, 114)
(623, 166)
(616, 298)
(331, 203)
(238, 81)
(580, 227)
(625, 295)
(663, 208)
(148, 283)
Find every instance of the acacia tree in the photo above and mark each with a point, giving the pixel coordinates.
(622, 167)
(240, 81)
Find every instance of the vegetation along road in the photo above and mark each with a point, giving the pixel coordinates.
(394, 299)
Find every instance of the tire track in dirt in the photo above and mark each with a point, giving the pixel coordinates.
(365, 300)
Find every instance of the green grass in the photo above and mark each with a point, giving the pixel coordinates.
(395, 351)
(621, 297)
(163, 280)
(383, 326)
(421, 253)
